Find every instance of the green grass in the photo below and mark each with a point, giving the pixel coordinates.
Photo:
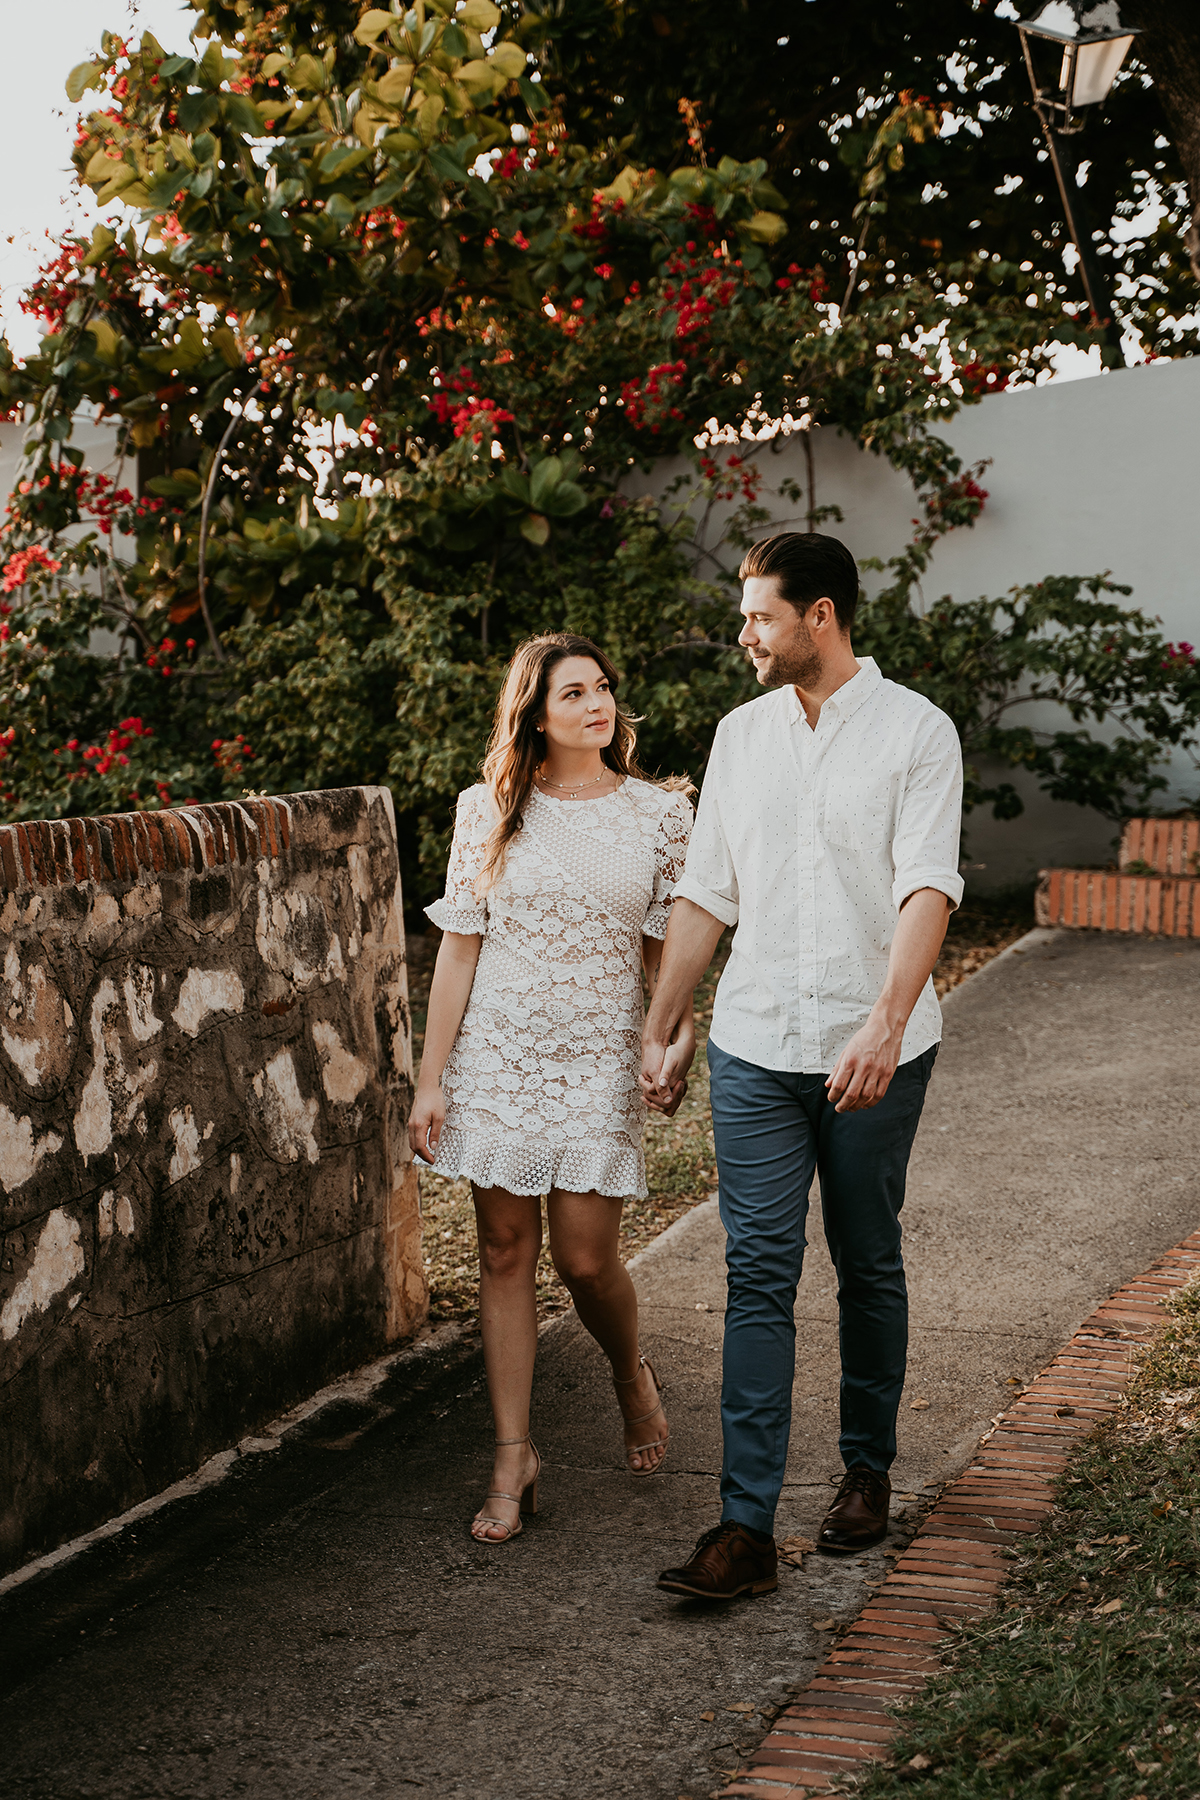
(1051, 1695)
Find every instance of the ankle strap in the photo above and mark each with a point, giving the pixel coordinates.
(625, 1380)
(520, 1440)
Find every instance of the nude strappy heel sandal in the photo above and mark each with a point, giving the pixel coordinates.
(526, 1502)
(659, 1443)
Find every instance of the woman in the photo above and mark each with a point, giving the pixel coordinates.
(560, 881)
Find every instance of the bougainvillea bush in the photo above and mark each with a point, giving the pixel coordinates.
(379, 344)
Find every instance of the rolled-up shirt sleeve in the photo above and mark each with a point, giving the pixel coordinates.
(709, 878)
(925, 847)
(461, 910)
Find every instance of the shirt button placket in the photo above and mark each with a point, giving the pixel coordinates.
(807, 923)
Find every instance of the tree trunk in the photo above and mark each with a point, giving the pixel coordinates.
(1169, 47)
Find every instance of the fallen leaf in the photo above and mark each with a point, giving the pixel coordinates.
(742, 1706)
(1160, 1512)
(919, 1406)
(1063, 1412)
(708, 1717)
(802, 1544)
(920, 1762)
(1122, 1540)
(824, 1624)
(1111, 1606)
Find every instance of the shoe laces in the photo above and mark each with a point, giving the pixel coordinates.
(860, 1481)
(715, 1533)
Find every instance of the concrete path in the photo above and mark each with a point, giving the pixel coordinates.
(320, 1626)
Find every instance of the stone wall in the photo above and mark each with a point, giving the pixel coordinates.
(207, 1207)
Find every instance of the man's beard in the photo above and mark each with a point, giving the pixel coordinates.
(799, 664)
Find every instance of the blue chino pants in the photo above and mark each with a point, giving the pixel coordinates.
(772, 1130)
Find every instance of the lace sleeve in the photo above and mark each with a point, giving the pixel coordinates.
(460, 910)
(670, 849)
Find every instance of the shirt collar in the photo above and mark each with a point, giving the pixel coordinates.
(849, 697)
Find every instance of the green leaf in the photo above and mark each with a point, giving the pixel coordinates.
(479, 74)
(454, 42)
(763, 228)
(105, 337)
(535, 528)
(184, 484)
(242, 114)
(544, 479)
(102, 242)
(339, 208)
(340, 161)
(479, 15)
(566, 500)
(444, 163)
(191, 348)
(307, 72)
(515, 483)
(83, 76)
(509, 58)
(371, 25)
(431, 110)
(392, 87)
(175, 65)
(225, 342)
(533, 95)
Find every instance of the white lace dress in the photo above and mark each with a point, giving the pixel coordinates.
(541, 1085)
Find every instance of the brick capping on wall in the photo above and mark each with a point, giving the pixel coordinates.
(1166, 902)
(207, 1205)
(955, 1567)
(122, 847)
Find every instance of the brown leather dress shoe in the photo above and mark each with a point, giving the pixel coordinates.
(859, 1514)
(726, 1562)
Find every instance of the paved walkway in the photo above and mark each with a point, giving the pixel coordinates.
(320, 1626)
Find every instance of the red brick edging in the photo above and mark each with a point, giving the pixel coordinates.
(955, 1566)
(1163, 899)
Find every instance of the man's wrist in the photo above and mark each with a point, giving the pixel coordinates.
(888, 1016)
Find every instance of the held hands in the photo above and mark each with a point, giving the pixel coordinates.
(664, 1069)
(863, 1072)
(425, 1123)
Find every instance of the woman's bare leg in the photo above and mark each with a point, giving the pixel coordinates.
(585, 1245)
(509, 1228)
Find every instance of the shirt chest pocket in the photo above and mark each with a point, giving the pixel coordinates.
(856, 815)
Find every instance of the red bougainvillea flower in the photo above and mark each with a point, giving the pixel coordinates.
(19, 564)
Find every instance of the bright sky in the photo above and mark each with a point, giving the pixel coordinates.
(36, 128)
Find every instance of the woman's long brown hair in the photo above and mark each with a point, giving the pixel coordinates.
(514, 750)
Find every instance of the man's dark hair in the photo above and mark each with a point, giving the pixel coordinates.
(808, 567)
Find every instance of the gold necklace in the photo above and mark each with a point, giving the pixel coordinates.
(572, 788)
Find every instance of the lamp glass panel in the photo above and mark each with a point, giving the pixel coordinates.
(1096, 67)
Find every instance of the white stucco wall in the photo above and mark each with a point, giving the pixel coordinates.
(1091, 476)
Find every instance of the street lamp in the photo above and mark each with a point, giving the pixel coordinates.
(1093, 42)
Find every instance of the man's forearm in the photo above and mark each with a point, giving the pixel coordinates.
(692, 936)
(920, 931)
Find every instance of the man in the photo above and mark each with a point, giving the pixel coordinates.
(828, 833)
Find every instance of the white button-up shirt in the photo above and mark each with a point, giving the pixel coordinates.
(810, 841)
